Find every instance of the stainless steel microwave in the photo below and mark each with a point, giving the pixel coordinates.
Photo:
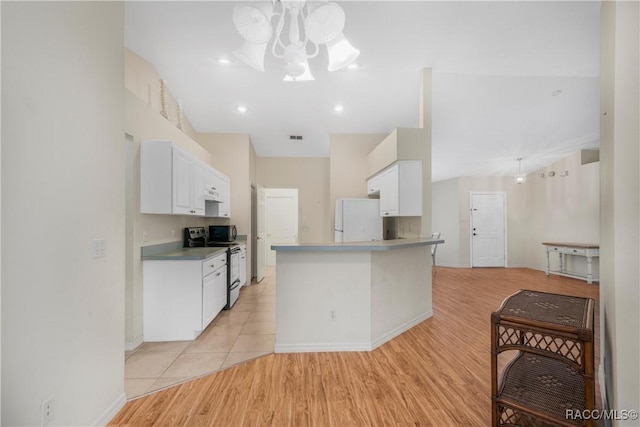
(222, 233)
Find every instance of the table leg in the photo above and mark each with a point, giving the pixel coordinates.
(561, 262)
(589, 272)
(548, 266)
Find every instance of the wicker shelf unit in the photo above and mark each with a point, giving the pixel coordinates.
(553, 370)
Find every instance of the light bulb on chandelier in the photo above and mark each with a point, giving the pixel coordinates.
(310, 24)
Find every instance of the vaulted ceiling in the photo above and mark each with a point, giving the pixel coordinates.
(510, 79)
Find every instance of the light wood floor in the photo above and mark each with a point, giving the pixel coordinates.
(436, 374)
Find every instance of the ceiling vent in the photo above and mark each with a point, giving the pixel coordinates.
(295, 137)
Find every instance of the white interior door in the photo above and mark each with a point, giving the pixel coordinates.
(261, 247)
(281, 218)
(488, 233)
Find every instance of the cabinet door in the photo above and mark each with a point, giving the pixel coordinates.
(209, 299)
(373, 185)
(198, 182)
(388, 182)
(182, 195)
(214, 295)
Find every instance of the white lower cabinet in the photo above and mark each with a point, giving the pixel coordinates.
(181, 297)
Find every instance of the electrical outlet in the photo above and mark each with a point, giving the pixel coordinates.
(145, 236)
(332, 314)
(47, 411)
(98, 248)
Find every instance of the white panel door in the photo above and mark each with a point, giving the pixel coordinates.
(282, 218)
(488, 230)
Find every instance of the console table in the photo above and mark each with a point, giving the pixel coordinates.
(589, 251)
(552, 375)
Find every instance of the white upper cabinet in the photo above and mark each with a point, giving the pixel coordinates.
(400, 189)
(373, 185)
(172, 181)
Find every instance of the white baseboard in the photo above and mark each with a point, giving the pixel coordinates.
(321, 347)
(352, 346)
(400, 329)
(603, 392)
(111, 411)
(132, 345)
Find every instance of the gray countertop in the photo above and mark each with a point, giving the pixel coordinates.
(380, 245)
(174, 251)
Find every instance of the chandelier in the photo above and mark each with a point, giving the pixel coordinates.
(310, 24)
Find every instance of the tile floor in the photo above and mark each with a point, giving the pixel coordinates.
(243, 333)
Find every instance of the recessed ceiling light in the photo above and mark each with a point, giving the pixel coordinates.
(241, 109)
(224, 61)
(353, 66)
(338, 108)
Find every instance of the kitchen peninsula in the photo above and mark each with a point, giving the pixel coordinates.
(350, 296)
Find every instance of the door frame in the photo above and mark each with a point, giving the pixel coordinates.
(504, 234)
(260, 236)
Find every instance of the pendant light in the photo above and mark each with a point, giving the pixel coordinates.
(520, 178)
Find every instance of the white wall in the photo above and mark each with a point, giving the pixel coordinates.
(62, 186)
(620, 205)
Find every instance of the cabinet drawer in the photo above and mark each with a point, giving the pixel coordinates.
(212, 264)
(576, 251)
(559, 249)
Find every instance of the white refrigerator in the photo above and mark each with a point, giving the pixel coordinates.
(358, 220)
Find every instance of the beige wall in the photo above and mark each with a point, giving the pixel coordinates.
(63, 181)
(348, 170)
(620, 205)
(445, 202)
(143, 81)
(311, 177)
(561, 209)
